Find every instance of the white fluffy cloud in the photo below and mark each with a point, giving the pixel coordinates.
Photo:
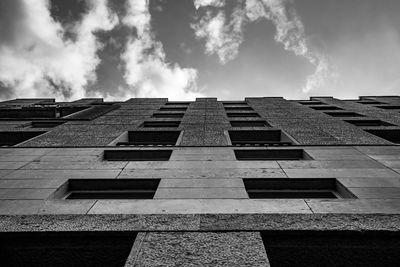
(146, 71)
(38, 61)
(224, 38)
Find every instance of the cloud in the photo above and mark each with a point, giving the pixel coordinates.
(147, 72)
(37, 60)
(224, 38)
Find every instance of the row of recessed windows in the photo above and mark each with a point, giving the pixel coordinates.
(237, 138)
(283, 248)
(271, 188)
(391, 135)
(165, 154)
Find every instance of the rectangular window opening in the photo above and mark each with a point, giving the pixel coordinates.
(369, 123)
(161, 124)
(242, 115)
(151, 138)
(235, 103)
(259, 138)
(271, 154)
(15, 138)
(311, 102)
(332, 248)
(28, 113)
(137, 155)
(344, 114)
(177, 103)
(173, 108)
(326, 107)
(298, 188)
(66, 248)
(246, 108)
(168, 115)
(249, 124)
(389, 135)
(46, 124)
(369, 102)
(388, 107)
(107, 189)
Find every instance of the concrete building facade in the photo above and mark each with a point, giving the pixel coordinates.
(149, 182)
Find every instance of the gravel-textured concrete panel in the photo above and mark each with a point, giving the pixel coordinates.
(201, 249)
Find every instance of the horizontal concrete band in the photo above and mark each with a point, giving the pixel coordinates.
(201, 222)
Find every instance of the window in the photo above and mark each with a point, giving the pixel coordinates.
(46, 124)
(326, 107)
(168, 115)
(369, 123)
(137, 155)
(389, 135)
(28, 112)
(299, 188)
(161, 124)
(173, 108)
(249, 124)
(107, 189)
(65, 111)
(388, 107)
(242, 115)
(343, 114)
(238, 108)
(14, 138)
(271, 154)
(259, 138)
(311, 102)
(332, 248)
(149, 138)
(74, 248)
(177, 103)
(369, 102)
(235, 104)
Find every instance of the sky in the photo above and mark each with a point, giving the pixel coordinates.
(183, 49)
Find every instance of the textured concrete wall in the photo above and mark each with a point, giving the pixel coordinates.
(201, 197)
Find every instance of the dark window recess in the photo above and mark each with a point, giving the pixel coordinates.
(343, 114)
(168, 115)
(173, 108)
(258, 138)
(46, 124)
(311, 102)
(107, 189)
(66, 248)
(137, 155)
(235, 103)
(29, 112)
(369, 123)
(299, 188)
(14, 138)
(177, 103)
(151, 138)
(65, 111)
(326, 107)
(238, 108)
(369, 102)
(271, 154)
(388, 107)
(249, 124)
(242, 115)
(389, 135)
(332, 249)
(161, 124)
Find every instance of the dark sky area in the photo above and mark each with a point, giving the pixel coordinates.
(183, 49)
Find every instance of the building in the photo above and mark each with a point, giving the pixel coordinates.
(147, 182)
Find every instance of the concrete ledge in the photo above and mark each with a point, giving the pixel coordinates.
(201, 222)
